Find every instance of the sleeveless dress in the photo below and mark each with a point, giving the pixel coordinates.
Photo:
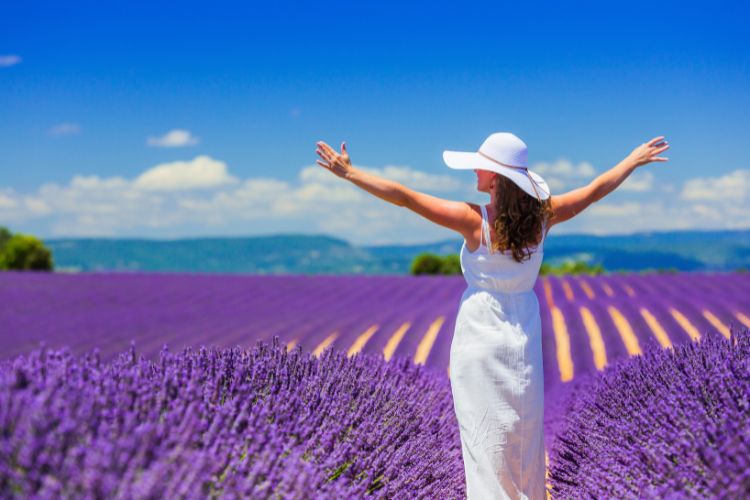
(496, 374)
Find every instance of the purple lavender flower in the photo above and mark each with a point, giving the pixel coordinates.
(668, 423)
(260, 423)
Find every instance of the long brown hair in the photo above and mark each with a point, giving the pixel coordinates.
(518, 218)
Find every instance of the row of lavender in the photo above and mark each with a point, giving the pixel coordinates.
(605, 318)
(231, 423)
(108, 310)
(269, 423)
(587, 321)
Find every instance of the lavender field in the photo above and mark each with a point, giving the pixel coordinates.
(588, 321)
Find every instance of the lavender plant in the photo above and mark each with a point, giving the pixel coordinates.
(230, 423)
(671, 423)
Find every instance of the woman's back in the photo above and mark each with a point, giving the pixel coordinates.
(497, 271)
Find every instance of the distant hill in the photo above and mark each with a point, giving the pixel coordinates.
(306, 254)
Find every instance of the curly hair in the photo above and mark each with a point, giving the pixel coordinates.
(518, 219)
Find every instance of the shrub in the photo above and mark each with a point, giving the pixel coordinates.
(25, 252)
(571, 267)
(668, 422)
(426, 263)
(451, 264)
(5, 235)
(265, 423)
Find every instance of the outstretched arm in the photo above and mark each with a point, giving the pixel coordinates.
(340, 165)
(451, 214)
(568, 205)
(386, 189)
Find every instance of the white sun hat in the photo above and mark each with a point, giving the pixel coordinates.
(505, 154)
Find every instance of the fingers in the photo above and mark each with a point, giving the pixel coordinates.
(325, 147)
(321, 163)
(326, 155)
(654, 140)
(328, 149)
(656, 152)
(329, 154)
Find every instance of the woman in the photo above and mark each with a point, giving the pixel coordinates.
(496, 351)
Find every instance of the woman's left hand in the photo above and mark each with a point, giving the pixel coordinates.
(338, 163)
(648, 151)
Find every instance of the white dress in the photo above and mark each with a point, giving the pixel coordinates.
(496, 374)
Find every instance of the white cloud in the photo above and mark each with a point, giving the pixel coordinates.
(640, 180)
(201, 172)
(65, 129)
(563, 175)
(564, 168)
(707, 203)
(189, 198)
(556, 185)
(706, 211)
(176, 138)
(414, 179)
(93, 182)
(164, 201)
(9, 60)
(732, 186)
(667, 187)
(615, 209)
(7, 202)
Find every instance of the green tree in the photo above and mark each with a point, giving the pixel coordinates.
(5, 236)
(426, 263)
(571, 267)
(451, 264)
(545, 269)
(25, 252)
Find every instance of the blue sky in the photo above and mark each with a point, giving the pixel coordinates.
(188, 119)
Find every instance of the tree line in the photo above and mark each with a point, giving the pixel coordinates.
(430, 263)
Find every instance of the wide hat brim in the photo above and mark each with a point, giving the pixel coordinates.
(469, 160)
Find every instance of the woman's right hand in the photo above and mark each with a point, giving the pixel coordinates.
(338, 163)
(646, 152)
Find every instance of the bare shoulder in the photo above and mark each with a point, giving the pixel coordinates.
(475, 207)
